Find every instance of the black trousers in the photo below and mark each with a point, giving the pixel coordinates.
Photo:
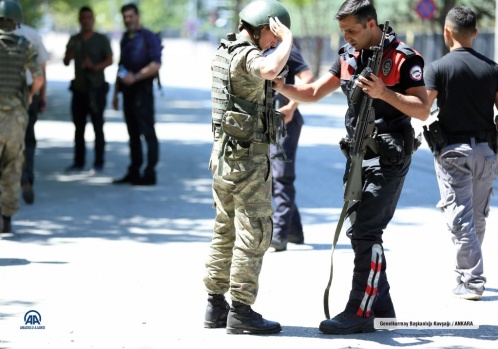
(138, 106)
(286, 219)
(28, 173)
(93, 104)
(381, 192)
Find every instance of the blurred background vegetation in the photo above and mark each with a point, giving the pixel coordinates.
(313, 21)
(310, 17)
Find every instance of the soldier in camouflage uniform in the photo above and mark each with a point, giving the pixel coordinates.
(240, 165)
(16, 55)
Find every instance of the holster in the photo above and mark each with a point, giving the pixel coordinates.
(435, 137)
(391, 148)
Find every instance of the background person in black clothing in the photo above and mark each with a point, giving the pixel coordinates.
(139, 64)
(398, 94)
(287, 225)
(92, 53)
(465, 84)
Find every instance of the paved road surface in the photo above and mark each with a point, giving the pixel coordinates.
(121, 267)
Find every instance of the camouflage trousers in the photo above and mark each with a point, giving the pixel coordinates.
(12, 131)
(243, 226)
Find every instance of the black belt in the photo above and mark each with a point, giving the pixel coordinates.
(479, 137)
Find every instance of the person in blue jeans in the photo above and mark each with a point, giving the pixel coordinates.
(287, 225)
(139, 64)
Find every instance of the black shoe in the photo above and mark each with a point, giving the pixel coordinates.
(216, 311)
(298, 240)
(243, 320)
(384, 313)
(145, 180)
(97, 169)
(74, 168)
(7, 225)
(278, 244)
(27, 192)
(347, 323)
(127, 179)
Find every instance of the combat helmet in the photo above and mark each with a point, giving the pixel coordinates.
(257, 13)
(12, 10)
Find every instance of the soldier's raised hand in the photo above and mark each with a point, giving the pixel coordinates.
(279, 29)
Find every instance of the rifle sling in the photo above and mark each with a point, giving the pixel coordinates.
(334, 243)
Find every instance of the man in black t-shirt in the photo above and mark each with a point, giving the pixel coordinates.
(92, 54)
(465, 84)
(398, 95)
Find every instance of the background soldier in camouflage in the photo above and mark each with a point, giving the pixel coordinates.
(241, 170)
(16, 55)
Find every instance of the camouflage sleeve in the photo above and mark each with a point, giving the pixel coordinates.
(32, 63)
(253, 61)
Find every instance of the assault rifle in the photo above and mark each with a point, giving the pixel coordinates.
(364, 134)
(356, 147)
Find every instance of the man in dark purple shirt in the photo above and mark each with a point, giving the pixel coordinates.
(138, 66)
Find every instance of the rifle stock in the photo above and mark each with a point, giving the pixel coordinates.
(366, 137)
(354, 184)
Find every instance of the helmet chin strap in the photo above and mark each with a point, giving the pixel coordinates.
(256, 35)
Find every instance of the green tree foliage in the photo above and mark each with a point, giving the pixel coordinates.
(403, 15)
(314, 15)
(32, 10)
(155, 14)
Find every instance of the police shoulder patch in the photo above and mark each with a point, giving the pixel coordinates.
(416, 73)
(386, 66)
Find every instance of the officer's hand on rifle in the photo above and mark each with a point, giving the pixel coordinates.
(372, 86)
(278, 83)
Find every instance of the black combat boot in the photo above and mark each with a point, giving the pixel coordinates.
(216, 311)
(384, 308)
(347, 323)
(242, 319)
(7, 225)
(278, 244)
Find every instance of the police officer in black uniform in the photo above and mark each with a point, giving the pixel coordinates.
(287, 225)
(398, 94)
